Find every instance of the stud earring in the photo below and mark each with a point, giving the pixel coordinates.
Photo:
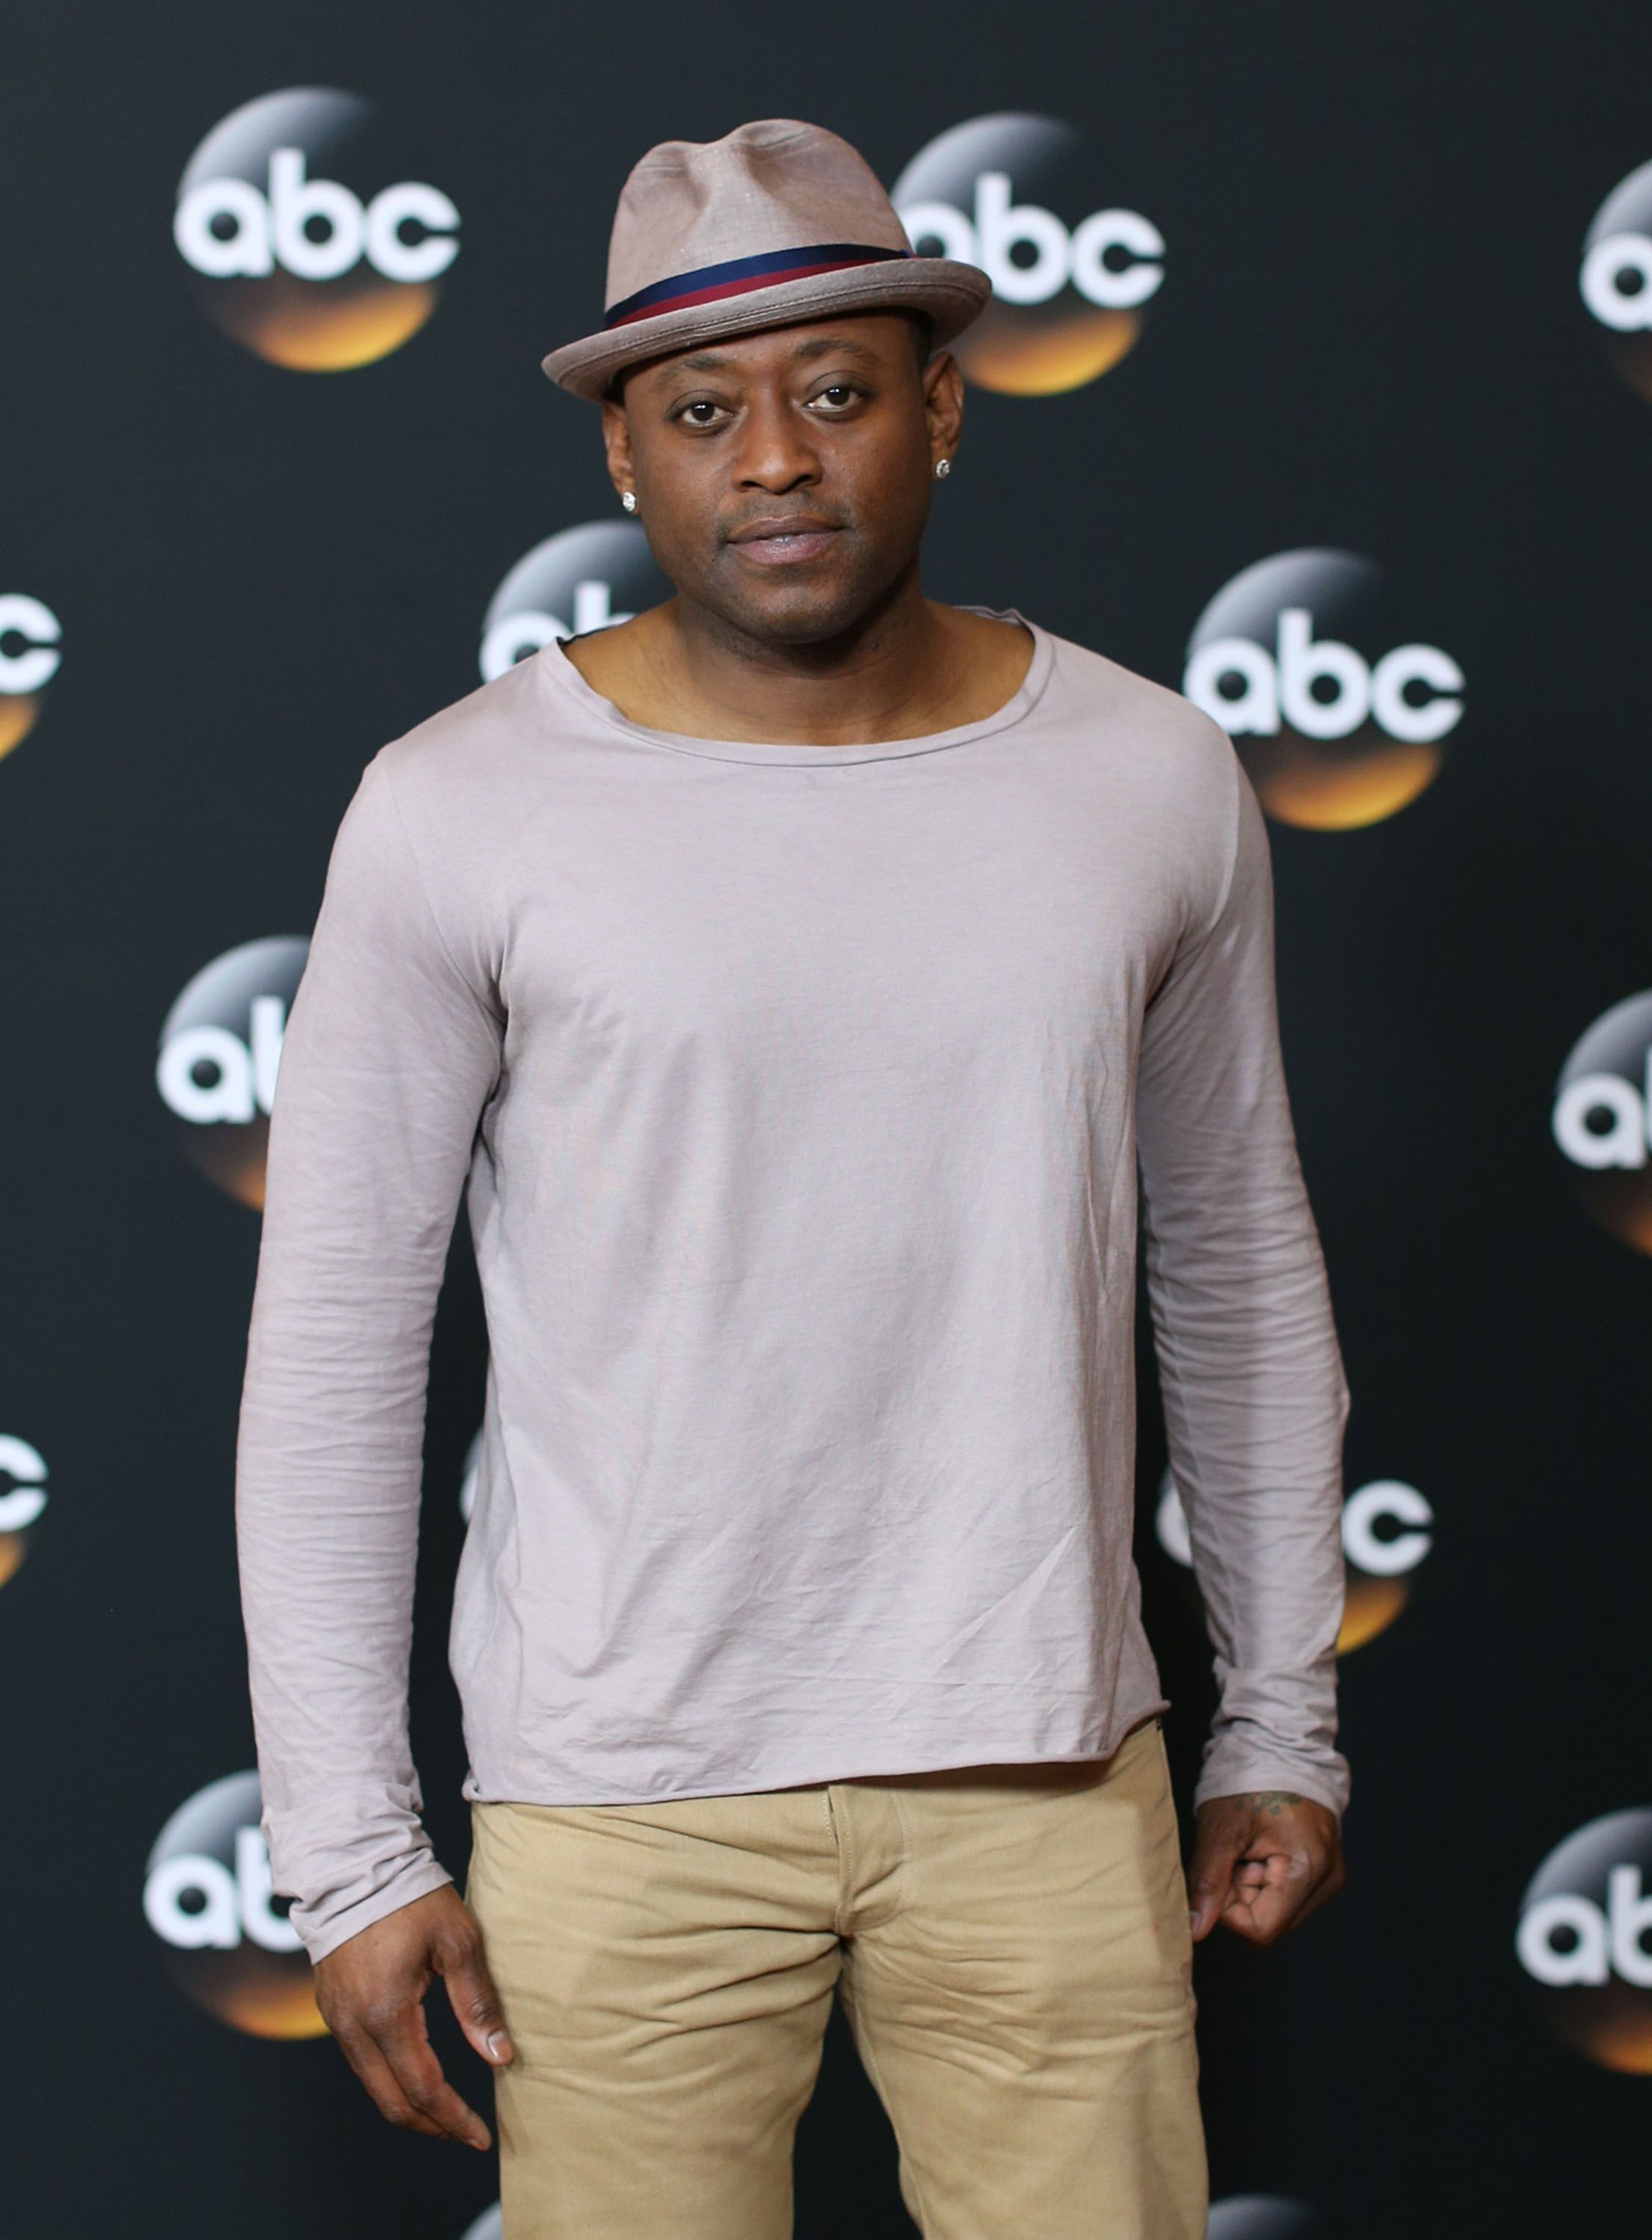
(628, 499)
(943, 469)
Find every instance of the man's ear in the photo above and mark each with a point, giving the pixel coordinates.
(617, 436)
(943, 404)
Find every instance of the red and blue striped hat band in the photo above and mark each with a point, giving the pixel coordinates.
(739, 276)
(710, 212)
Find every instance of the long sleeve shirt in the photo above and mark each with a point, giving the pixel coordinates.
(797, 1096)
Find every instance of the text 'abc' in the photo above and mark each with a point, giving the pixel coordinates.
(261, 231)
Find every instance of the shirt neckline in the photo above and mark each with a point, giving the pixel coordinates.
(556, 666)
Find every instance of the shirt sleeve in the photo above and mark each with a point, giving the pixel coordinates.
(1255, 1398)
(389, 1055)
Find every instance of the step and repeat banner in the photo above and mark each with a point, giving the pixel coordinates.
(1316, 383)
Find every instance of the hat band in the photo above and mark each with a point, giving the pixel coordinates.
(711, 282)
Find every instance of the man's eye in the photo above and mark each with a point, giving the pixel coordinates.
(838, 395)
(702, 413)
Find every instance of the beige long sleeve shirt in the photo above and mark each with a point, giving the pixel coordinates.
(800, 1094)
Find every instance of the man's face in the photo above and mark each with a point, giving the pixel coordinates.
(784, 477)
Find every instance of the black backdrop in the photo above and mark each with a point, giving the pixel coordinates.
(1370, 338)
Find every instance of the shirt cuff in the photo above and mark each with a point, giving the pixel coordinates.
(324, 1931)
(1238, 1767)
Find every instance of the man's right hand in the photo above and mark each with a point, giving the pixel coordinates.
(370, 1990)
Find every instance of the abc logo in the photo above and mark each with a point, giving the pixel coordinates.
(1067, 298)
(1602, 1120)
(30, 633)
(581, 579)
(490, 2225)
(1616, 277)
(1262, 2216)
(1331, 736)
(207, 1896)
(22, 1499)
(1585, 1939)
(305, 246)
(1387, 1531)
(220, 1051)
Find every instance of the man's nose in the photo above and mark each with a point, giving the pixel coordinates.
(777, 449)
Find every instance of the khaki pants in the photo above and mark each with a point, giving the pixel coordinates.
(1010, 1943)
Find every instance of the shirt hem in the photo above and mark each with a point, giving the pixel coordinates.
(814, 1772)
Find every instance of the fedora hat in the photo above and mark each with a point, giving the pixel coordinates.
(775, 222)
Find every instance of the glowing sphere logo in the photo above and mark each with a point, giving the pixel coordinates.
(1602, 1120)
(1336, 723)
(1019, 196)
(307, 243)
(207, 1896)
(1616, 277)
(1585, 1941)
(31, 637)
(1388, 1529)
(22, 1500)
(581, 579)
(220, 1053)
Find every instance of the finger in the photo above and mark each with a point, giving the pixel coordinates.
(1240, 1915)
(1271, 1913)
(400, 2035)
(1259, 1911)
(382, 2090)
(1210, 1884)
(1292, 1884)
(475, 2004)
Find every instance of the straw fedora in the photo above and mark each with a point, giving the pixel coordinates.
(778, 221)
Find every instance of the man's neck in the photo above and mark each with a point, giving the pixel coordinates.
(910, 668)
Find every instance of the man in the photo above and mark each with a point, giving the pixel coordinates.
(795, 974)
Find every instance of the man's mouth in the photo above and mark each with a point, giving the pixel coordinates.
(783, 540)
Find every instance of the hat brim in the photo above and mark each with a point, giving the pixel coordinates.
(949, 293)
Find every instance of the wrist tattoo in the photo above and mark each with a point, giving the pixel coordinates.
(1272, 1801)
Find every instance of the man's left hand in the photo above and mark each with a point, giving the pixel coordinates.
(1262, 1862)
